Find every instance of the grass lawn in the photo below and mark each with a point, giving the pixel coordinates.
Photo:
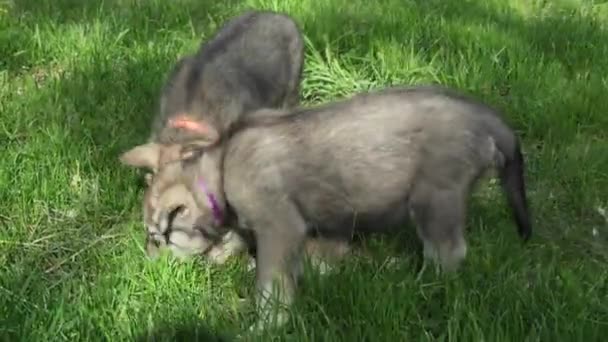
(79, 83)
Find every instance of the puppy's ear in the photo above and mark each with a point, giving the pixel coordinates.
(203, 133)
(146, 155)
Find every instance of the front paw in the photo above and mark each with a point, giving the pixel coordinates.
(263, 324)
(219, 255)
(231, 244)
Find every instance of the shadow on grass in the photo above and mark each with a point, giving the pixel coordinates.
(507, 37)
(370, 292)
(104, 104)
(23, 42)
(558, 49)
(558, 35)
(193, 332)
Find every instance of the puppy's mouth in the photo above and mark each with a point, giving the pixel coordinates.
(164, 236)
(159, 233)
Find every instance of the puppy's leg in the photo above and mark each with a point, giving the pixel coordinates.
(440, 218)
(279, 241)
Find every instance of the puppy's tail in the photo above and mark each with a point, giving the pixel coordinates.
(513, 183)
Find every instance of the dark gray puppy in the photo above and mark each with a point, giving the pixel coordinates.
(367, 162)
(254, 61)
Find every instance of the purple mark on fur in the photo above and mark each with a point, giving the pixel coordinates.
(218, 214)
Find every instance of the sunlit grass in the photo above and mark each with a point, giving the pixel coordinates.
(79, 83)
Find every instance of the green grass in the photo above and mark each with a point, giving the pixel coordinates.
(78, 85)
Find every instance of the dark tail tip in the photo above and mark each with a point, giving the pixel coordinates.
(513, 182)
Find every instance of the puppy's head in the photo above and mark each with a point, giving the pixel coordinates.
(171, 220)
(168, 210)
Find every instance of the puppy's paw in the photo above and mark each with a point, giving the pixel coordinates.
(219, 255)
(262, 325)
(322, 267)
(231, 244)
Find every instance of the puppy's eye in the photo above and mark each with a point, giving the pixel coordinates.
(190, 152)
(183, 212)
(180, 211)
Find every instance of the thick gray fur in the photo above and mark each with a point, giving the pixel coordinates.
(254, 61)
(366, 162)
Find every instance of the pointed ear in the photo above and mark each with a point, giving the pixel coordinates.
(146, 155)
(203, 132)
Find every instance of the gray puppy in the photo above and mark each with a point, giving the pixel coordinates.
(255, 60)
(363, 163)
(180, 234)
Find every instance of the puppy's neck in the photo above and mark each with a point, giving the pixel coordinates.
(208, 171)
